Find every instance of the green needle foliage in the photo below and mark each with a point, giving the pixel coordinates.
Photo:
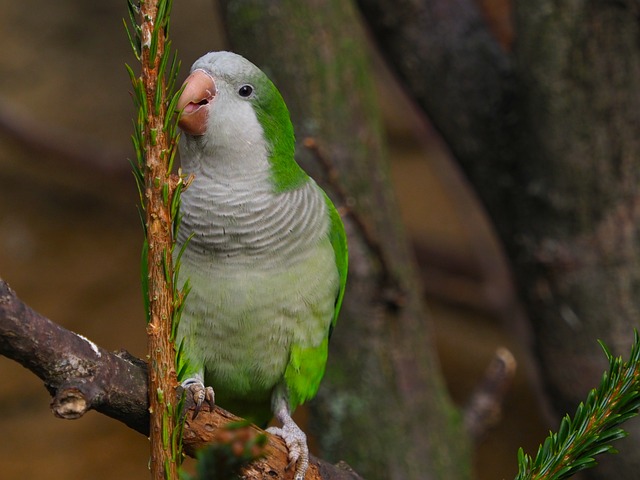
(594, 426)
(144, 135)
(155, 140)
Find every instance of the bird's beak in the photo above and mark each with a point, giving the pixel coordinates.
(199, 90)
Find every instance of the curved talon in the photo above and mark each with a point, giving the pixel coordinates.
(296, 442)
(199, 393)
(293, 436)
(208, 396)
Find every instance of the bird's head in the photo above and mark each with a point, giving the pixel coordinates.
(228, 105)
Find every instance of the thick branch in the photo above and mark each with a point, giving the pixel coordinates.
(82, 376)
(79, 375)
(460, 76)
(209, 428)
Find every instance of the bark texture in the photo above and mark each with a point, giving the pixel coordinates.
(159, 190)
(579, 65)
(79, 374)
(548, 136)
(383, 395)
(461, 78)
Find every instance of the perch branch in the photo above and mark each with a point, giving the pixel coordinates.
(79, 375)
(82, 376)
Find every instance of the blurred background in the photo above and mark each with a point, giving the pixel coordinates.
(70, 235)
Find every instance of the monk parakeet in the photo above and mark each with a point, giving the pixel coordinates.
(267, 254)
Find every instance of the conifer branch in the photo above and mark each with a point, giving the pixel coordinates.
(595, 425)
(155, 142)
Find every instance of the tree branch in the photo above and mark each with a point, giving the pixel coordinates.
(81, 376)
(458, 74)
(484, 408)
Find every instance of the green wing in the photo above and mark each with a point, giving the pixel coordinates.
(338, 239)
(307, 364)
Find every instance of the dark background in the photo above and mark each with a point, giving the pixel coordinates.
(70, 235)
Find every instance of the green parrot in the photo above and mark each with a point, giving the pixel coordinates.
(266, 252)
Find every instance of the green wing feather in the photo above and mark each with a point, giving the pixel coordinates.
(338, 239)
(307, 364)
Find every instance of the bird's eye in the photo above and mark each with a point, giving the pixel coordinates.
(245, 91)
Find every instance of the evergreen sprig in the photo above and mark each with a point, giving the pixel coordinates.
(155, 141)
(166, 97)
(595, 425)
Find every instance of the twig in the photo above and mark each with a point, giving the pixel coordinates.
(485, 405)
(82, 376)
(155, 141)
(594, 426)
(393, 294)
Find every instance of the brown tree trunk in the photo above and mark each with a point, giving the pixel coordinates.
(383, 396)
(549, 137)
(463, 80)
(578, 229)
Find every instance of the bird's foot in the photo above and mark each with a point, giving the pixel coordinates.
(296, 441)
(199, 394)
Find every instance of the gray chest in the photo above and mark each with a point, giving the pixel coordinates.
(231, 224)
(263, 278)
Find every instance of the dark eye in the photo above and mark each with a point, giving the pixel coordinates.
(245, 91)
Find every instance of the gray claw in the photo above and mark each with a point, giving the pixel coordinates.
(199, 393)
(296, 442)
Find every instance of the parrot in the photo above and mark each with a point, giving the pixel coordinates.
(263, 248)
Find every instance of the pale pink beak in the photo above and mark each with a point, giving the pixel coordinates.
(199, 91)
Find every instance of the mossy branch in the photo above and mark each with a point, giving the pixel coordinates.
(595, 425)
(155, 141)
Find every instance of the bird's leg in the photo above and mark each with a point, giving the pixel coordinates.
(293, 436)
(199, 392)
